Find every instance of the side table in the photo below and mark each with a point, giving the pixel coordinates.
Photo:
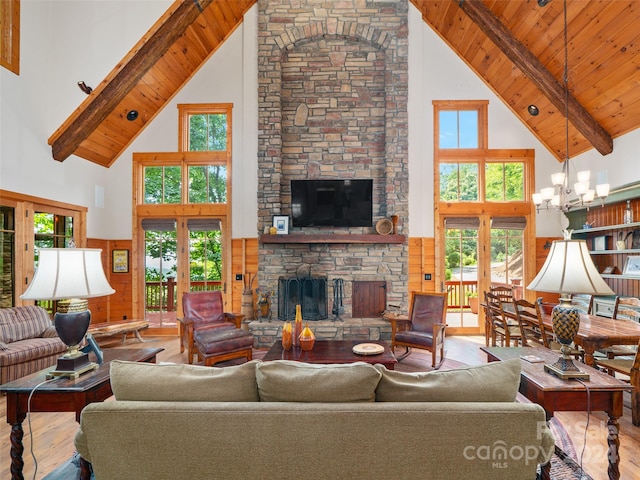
(61, 395)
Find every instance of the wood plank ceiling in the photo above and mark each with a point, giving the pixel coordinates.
(515, 46)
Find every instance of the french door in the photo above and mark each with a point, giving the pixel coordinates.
(181, 254)
(477, 252)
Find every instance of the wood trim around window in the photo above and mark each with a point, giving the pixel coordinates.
(10, 35)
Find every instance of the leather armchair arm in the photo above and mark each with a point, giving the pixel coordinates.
(235, 318)
(185, 320)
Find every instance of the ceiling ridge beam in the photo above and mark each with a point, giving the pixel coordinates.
(103, 101)
(529, 64)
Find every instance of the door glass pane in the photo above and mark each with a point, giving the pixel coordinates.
(205, 254)
(160, 272)
(461, 273)
(507, 248)
(7, 257)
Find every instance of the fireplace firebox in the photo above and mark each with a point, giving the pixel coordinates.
(308, 292)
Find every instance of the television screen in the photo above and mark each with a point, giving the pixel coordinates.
(331, 203)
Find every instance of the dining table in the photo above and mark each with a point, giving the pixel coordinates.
(596, 333)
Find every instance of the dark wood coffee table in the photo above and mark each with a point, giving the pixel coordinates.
(556, 395)
(61, 395)
(333, 351)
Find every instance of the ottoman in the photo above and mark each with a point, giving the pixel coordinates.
(221, 344)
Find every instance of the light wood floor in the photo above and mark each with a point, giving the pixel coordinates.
(53, 432)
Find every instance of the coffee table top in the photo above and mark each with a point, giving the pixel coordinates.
(332, 351)
(84, 382)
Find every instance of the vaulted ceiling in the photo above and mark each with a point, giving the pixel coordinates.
(515, 46)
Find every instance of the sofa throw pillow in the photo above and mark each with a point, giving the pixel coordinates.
(183, 383)
(290, 381)
(491, 382)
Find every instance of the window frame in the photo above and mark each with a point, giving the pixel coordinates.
(10, 38)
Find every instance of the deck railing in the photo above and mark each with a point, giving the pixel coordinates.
(457, 292)
(161, 296)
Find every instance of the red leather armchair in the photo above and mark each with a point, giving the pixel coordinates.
(203, 310)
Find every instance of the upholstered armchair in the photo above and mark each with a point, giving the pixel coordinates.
(425, 326)
(203, 310)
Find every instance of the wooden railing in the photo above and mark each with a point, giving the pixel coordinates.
(161, 296)
(457, 292)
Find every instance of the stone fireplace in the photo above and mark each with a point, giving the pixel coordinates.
(332, 104)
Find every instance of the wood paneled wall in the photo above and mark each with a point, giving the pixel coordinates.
(119, 305)
(421, 261)
(244, 261)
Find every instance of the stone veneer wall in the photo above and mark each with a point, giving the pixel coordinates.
(332, 94)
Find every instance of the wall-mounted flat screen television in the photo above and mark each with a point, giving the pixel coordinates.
(332, 203)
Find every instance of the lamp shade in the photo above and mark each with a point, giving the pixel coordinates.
(65, 273)
(569, 269)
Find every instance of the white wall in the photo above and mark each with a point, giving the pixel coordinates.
(64, 41)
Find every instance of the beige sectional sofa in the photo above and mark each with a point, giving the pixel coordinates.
(28, 342)
(286, 420)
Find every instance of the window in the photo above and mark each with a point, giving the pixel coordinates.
(459, 129)
(205, 128)
(461, 124)
(182, 213)
(10, 35)
(482, 210)
(26, 225)
(162, 184)
(504, 181)
(458, 182)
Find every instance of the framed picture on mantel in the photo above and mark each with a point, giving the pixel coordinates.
(281, 222)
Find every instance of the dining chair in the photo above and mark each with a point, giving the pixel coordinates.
(529, 323)
(549, 339)
(630, 368)
(623, 307)
(504, 323)
(425, 328)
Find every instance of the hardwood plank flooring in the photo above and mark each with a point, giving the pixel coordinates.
(53, 432)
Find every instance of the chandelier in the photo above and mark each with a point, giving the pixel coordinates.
(557, 197)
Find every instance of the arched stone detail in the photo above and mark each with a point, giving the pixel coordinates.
(333, 27)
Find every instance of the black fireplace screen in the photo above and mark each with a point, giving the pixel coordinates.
(308, 292)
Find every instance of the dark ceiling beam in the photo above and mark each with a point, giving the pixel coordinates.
(104, 101)
(537, 73)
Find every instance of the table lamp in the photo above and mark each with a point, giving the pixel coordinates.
(70, 275)
(568, 270)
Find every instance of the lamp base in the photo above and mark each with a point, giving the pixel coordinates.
(72, 367)
(564, 373)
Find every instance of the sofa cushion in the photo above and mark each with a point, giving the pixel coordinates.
(183, 383)
(290, 381)
(491, 382)
(24, 351)
(20, 323)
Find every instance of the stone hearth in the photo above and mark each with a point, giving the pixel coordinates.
(266, 333)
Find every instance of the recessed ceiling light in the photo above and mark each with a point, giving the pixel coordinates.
(132, 115)
(533, 110)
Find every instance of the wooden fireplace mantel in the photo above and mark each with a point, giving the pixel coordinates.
(333, 238)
